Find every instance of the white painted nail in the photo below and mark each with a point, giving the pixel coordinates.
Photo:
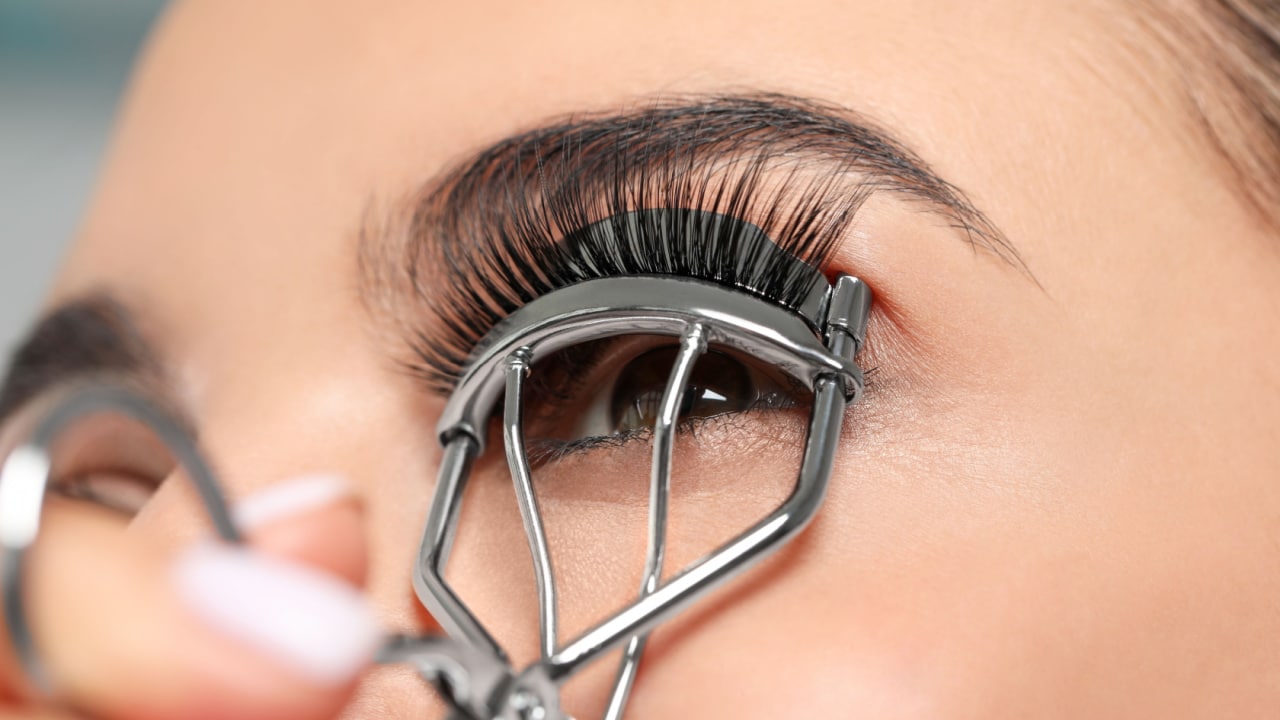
(308, 620)
(289, 498)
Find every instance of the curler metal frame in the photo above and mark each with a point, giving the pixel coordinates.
(699, 314)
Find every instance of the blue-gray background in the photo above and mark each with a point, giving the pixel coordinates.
(63, 64)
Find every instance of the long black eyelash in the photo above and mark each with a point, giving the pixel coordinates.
(749, 200)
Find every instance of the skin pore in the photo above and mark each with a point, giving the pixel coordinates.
(1059, 496)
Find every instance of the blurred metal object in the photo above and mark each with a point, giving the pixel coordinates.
(24, 478)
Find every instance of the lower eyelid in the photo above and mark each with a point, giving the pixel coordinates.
(543, 452)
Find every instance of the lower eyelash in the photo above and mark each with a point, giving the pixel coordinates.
(544, 452)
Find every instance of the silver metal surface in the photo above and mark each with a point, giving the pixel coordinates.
(850, 310)
(437, 543)
(477, 684)
(692, 346)
(518, 462)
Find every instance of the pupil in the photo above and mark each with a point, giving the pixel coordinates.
(719, 384)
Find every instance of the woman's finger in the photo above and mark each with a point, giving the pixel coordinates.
(314, 520)
(128, 630)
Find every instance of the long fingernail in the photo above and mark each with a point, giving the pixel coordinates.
(312, 622)
(289, 498)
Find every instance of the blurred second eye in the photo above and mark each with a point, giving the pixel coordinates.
(111, 461)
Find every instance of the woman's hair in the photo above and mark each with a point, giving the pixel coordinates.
(1233, 85)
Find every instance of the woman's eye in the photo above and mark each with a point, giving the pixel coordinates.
(614, 392)
(718, 385)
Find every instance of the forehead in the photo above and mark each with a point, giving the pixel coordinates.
(258, 135)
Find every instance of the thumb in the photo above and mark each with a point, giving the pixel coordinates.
(313, 520)
(271, 630)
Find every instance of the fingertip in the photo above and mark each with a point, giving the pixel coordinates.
(316, 625)
(315, 520)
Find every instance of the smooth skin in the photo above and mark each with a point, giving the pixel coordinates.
(1060, 498)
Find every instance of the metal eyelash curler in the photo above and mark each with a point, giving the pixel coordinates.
(815, 345)
(476, 676)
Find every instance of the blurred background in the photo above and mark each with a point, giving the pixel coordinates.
(63, 65)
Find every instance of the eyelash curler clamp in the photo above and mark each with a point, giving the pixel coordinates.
(698, 314)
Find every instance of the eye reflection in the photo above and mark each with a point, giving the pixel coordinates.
(719, 384)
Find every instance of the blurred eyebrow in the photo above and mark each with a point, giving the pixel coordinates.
(96, 335)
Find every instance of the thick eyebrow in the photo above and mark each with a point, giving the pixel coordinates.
(478, 241)
(91, 336)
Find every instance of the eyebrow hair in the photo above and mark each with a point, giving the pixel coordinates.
(485, 237)
(90, 336)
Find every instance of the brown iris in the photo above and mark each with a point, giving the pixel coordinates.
(719, 384)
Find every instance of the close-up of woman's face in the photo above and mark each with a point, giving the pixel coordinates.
(1059, 495)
